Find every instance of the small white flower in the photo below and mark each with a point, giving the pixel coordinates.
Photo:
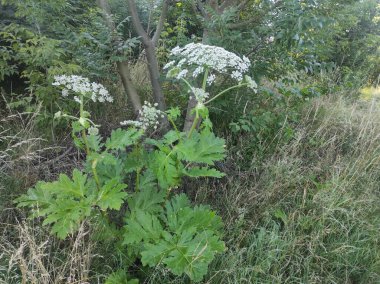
(77, 99)
(169, 64)
(200, 95)
(197, 57)
(182, 74)
(148, 117)
(65, 92)
(237, 75)
(82, 86)
(210, 79)
(198, 71)
(93, 131)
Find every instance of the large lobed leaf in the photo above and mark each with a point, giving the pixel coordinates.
(67, 202)
(120, 139)
(185, 239)
(202, 148)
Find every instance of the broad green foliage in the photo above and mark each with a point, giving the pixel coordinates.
(67, 202)
(184, 239)
(202, 148)
(120, 277)
(120, 139)
(159, 227)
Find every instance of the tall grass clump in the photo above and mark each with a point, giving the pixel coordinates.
(311, 211)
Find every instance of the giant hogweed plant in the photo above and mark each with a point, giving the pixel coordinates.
(131, 172)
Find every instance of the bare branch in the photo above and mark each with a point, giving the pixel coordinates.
(123, 67)
(198, 7)
(137, 23)
(240, 25)
(161, 21)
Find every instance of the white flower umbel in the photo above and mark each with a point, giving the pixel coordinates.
(250, 83)
(82, 86)
(149, 116)
(200, 95)
(198, 57)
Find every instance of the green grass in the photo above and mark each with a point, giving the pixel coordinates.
(311, 212)
(308, 212)
(312, 209)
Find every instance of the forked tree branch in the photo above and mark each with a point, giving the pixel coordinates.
(140, 29)
(161, 21)
(149, 46)
(123, 67)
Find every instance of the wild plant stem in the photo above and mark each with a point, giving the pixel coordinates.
(225, 91)
(88, 152)
(195, 123)
(205, 80)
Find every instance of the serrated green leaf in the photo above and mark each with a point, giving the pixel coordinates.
(202, 148)
(148, 180)
(154, 254)
(147, 199)
(171, 137)
(76, 127)
(120, 139)
(135, 160)
(161, 145)
(37, 196)
(120, 277)
(180, 216)
(189, 253)
(112, 195)
(173, 113)
(191, 241)
(166, 170)
(65, 203)
(107, 165)
(65, 186)
(203, 172)
(66, 216)
(94, 142)
(143, 226)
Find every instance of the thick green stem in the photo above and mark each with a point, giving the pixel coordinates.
(187, 83)
(225, 91)
(195, 123)
(84, 137)
(175, 127)
(83, 132)
(137, 179)
(205, 80)
(95, 173)
(88, 152)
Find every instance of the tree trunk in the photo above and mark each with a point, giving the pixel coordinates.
(154, 75)
(189, 120)
(132, 94)
(149, 46)
(122, 67)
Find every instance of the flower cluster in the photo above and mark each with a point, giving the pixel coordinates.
(82, 86)
(197, 57)
(200, 95)
(250, 83)
(148, 117)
